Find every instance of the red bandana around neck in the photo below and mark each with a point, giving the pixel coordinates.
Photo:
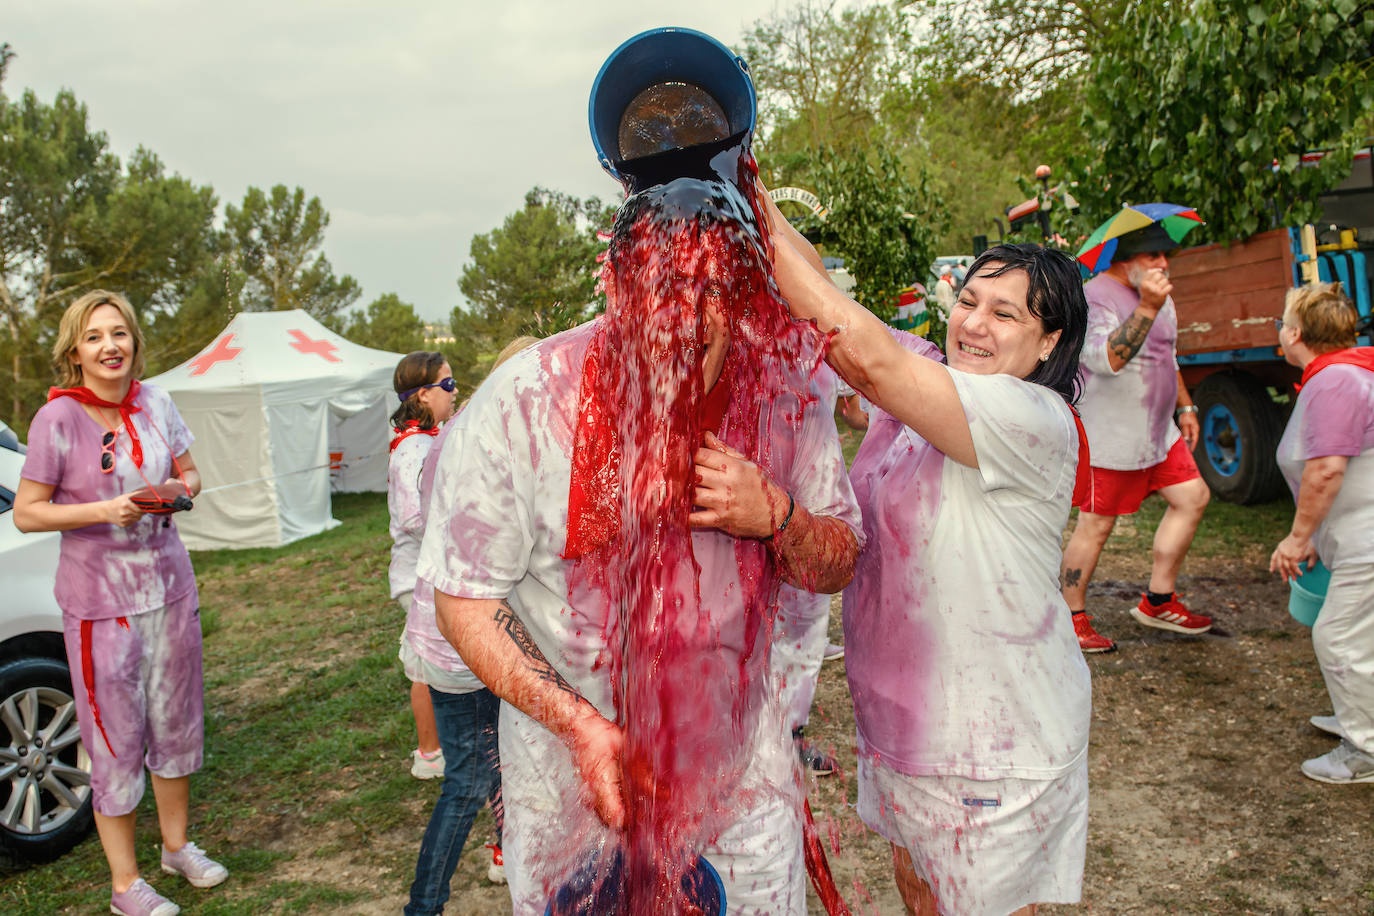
(411, 428)
(593, 510)
(1351, 356)
(127, 408)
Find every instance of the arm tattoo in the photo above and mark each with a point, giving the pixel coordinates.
(1127, 340)
(537, 663)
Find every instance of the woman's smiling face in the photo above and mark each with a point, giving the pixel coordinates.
(992, 330)
(105, 350)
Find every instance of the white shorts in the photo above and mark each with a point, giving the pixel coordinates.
(985, 847)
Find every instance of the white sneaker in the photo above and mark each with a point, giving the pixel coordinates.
(496, 871)
(832, 652)
(423, 767)
(1343, 764)
(1328, 724)
(191, 862)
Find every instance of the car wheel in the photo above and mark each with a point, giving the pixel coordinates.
(1240, 430)
(45, 772)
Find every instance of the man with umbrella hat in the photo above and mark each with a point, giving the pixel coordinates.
(1141, 423)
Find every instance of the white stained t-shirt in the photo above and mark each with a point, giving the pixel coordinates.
(498, 527)
(959, 648)
(406, 510)
(1334, 415)
(1129, 413)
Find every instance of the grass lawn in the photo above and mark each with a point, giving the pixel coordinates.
(305, 793)
(307, 728)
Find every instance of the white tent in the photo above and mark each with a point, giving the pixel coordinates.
(284, 411)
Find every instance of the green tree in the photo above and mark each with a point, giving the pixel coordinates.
(534, 274)
(276, 239)
(387, 324)
(825, 77)
(1193, 103)
(71, 219)
(881, 221)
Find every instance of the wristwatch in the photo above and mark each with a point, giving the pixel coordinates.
(1189, 408)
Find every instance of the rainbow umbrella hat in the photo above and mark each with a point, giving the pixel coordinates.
(1175, 221)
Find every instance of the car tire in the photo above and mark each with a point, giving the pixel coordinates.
(45, 772)
(1240, 430)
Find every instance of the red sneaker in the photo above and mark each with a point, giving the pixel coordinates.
(1089, 640)
(1171, 615)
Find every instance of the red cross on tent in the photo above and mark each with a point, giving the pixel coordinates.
(221, 353)
(321, 348)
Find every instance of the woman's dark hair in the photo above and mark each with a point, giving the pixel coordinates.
(1054, 294)
(415, 369)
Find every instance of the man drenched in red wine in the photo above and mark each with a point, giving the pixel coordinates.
(612, 518)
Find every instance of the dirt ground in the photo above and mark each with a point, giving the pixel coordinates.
(1197, 804)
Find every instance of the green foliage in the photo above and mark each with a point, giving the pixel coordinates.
(1026, 47)
(881, 221)
(276, 239)
(534, 274)
(72, 219)
(387, 324)
(1192, 103)
(824, 78)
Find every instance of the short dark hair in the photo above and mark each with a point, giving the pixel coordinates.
(1054, 294)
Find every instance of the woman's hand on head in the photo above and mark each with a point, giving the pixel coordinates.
(733, 494)
(121, 511)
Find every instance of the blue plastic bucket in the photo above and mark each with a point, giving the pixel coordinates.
(587, 893)
(666, 55)
(1307, 593)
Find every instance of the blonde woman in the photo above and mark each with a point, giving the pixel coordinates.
(130, 608)
(1327, 456)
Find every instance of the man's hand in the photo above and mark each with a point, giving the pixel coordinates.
(1188, 426)
(1154, 288)
(596, 746)
(733, 494)
(1291, 552)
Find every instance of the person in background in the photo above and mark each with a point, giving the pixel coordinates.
(465, 715)
(130, 608)
(971, 698)
(425, 386)
(1142, 427)
(945, 291)
(1327, 456)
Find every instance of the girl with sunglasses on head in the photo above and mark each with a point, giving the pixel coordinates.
(130, 608)
(425, 386)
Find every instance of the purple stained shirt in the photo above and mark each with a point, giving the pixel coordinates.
(1128, 414)
(103, 570)
(960, 651)
(1334, 416)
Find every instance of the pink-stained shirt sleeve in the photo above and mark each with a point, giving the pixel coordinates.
(480, 535)
(1337, 416)
(1023, 434)
(46, 457)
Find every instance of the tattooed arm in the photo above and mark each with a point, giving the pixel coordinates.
(499, 650)
(1126, 341)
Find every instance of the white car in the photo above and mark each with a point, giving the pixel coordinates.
(45, 773)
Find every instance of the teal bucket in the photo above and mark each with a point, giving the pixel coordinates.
(1306, 593)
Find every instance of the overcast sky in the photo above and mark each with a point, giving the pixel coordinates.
(417, 124)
